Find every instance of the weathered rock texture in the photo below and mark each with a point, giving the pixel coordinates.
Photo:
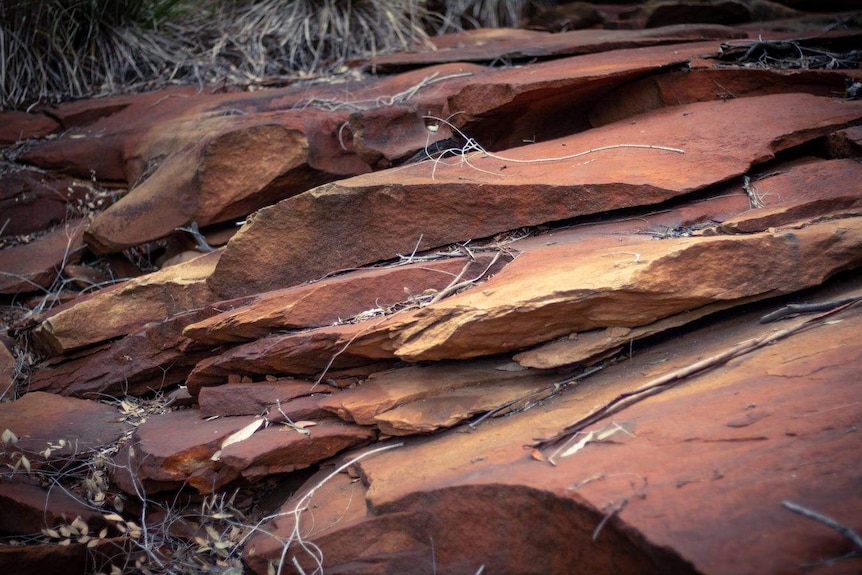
(743, 437)
(33, 266)
(122, 309)
(431, 204)
(595, 311)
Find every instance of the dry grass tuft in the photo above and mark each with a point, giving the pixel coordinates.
(52, 50)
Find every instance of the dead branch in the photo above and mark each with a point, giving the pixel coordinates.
(828, 521)
(668, 380)
(800, 308)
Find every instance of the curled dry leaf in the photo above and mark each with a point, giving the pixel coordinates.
(9, 438)
(238, 436)
(80, 525)
(214, 535)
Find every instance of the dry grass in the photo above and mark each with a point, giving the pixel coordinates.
(459, 14)
(129, 534)
(51, 50)
(272, 38)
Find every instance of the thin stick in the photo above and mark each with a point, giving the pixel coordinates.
(616, 509)
(839, 527)
(473, 145)
(343, 349)
(800, 308)
(668, 380)
(457, 284)
(305, 500)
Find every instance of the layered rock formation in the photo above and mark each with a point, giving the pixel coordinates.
(596, 311)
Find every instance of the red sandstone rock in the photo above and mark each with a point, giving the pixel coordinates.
(32, 201)
(26, 508)
(846, 143)
(159, 458)
(660, 279)
(254, 398)
(162, 459)
(390, 121)
(38, 419)
(742, 437)
(220, 157)
(221, 176)
(415, 386)
(331, 300)
(705, 83)
(566, 288)
(125, 308)
(19, 126)
(690, 480)
(801, 193)
(303, 353)
(511, 107)
(283, 449)
(151, 359)
(33, 266)
(378, 215)
(487, 45)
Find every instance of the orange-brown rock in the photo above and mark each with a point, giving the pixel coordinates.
(216, 169)
(39, 419)
(422, 400)
(256, 398)
(160, 458)
(583, 289)
(630, 406)
(283, 449)
(508, 108)
(334, 299)
(20, 126)
(846, 143)
(125, 308)
(32, 201)
(34, 266)
(706, 82)
(386, 397)
(376, 216)
(211, 158)
(150, 359)
(26, 508)
(488, 45)
(303, 353)
(746, 437)
(579, 283)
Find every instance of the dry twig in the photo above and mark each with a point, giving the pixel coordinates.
(828, 521)
(668, 380)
